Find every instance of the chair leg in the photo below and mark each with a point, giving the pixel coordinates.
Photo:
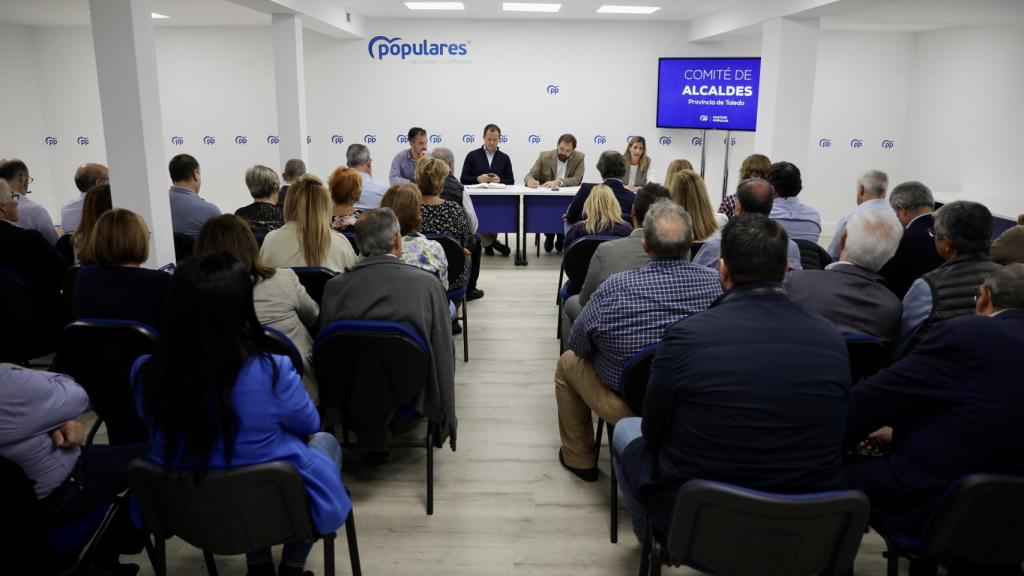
(465, 331)
(597, 440)
(93, 430)
(536, 242)
(614, 487)
(655, 558)
(329, 553)
(645, 549)
(430, 469)
(211, 565)
(892, 563)
(353, 546)
(159, 558)
(558, 325)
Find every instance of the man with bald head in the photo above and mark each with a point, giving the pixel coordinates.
(31, 216)
(87, 176)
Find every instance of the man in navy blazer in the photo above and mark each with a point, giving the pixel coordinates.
(487, 164)
(916, 255)
(612, 167)
(752, 391)
(951, 407)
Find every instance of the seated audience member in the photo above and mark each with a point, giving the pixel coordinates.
(1009, 247)
(456, 192)
(612, 167)
(675, 167)
(87, 176)
(403, 167)
(383, 287)
(306, 239)
(213, 400)
(637, 163)
(629, 311)
(263, 215)
(488, 164)
(346, 185)
(963, 233)
(601, 216)
(688, 190)
(97, 203)
(39, 432)
(279, 299)
(440, 216)
(871, 188)
(752, 391)
(800, 220)
(562, 166)
(950, 408)
(917, 254)
(31, 216)
(358, 158)
(117, 286)
(614, 256)
(753, 166)
(293, 168)
(849, 292)
(753, 196)
(417, 250)
(188, 210)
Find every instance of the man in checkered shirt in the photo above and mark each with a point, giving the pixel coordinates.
(628, 311)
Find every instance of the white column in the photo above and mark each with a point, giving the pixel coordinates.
(789, 55)
(122, 34)
(290, 81)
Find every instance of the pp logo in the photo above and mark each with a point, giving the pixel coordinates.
(599, 139)
(888, 144)
(82, 140)
(369, 138)
(825, 143)
(729, 141)
(273, 139)
(856, 143)
(209, 140)
(435, 138)
(50, 141)
(665, 141)
(468, 138)
(697, 141)
(628, 138)
(534, 139)
(309, 139)
(402, 139)
(241, 140)
(704, 118)
(177, 140)
(503, 138)
(337, 139)
(553, 89)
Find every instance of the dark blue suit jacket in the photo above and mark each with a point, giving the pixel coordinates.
(476, 164)
(753, 392)
(915, 257)
(624, 196)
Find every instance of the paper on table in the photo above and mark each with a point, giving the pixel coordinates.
(487, 186)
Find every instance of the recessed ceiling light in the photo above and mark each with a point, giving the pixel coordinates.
(435, 6)
(606, 9)
(156, 16)
(530, 7)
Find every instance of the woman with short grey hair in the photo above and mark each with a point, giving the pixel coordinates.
(263, 215)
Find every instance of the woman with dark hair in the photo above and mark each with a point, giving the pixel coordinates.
(405, 201)
(97, 201)
(753, 166)
(213, 399)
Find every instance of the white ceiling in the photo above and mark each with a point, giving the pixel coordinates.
(181, 12)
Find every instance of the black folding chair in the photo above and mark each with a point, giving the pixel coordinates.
(183, 245)
(980, 522)
(16, 304)
(694, 248)
(867, 355)
(99, 354)
(352, 240)
(575, 263)
(67, 286)
(456, 265)
(313, 279)
(66, 248)
(372, 371)
(229, 512)
(812, 255)
(277, 343)
(734, 531)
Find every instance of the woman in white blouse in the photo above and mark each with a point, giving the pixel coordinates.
(637, 163)
(306, 239)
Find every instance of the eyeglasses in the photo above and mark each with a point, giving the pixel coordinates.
(934, 234)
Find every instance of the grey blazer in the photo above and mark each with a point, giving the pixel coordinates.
(851, 297)
(611, 258)
(641, 173)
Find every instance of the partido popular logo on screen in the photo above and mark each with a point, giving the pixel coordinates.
(381, 47)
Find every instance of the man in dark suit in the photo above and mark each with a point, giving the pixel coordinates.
(612, 167)
(952, 407)
(914, 205)
(848, 292)
(488, 165)
(752, 391)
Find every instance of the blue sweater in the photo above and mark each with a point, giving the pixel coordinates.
(476, 164)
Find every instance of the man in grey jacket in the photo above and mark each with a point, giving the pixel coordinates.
(382, 287)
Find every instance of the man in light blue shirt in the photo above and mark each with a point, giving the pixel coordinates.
(799, 220)
(87, 176)
(358, 158)
(403, 167)
(871, 189)
(31, 216)
(188, 210)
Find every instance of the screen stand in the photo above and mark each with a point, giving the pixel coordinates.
(703, 150)
(725, 170)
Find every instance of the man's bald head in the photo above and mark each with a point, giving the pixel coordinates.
(89, 175)
(754, 196)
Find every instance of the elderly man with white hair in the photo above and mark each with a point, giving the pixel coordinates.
(871, 189)
(849, 292)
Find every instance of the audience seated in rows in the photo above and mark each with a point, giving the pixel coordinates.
(753, 166)
(440, 216)
(752, 391)
(417, 250)
(115, 285)
(188, 210)
(917, 254)
(1009, 247)
(688, 190)
(628, 311)
(753, 196)
(346, 186)
(611, 165)
(97, 203)
(949, 409)
(213, 399)
(306, 239)
(601, 216)
(849, 292)
(963, 233)
(263, 215)
(293, 168)
(87, 176)
(31, 216)
(800, 221)
(383, 287)
(358, 158)
(871, 189)
(280, 301)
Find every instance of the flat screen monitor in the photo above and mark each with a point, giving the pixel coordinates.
(708, 93)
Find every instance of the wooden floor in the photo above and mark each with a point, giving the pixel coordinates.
(503, 504)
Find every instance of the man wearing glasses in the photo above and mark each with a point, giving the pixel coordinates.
(31, 216)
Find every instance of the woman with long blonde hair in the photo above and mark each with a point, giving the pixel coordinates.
(688, 190)
(675, 167)
(602, 215)
(306, 239)
(637, 163)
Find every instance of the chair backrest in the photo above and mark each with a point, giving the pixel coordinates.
(813, 256)
(229, 512)
(730, 530)
(17, 302)
(67, 286)
(313, 279)
(278, 343)
(183, 245)
(352, 240)
(260, 238)
(867, 355)
(65, 248)
(98, 354)
(452, 252)
(635, 373)
(576, 259)
(694, 248)
(980, 520)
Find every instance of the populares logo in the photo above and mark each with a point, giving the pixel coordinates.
(337, 139)
(402, 139)
(600, 139)
(697, 141)
(177, 140)
(309, 139)
(209, 140)
(380, 47)
(272, 139)
(553, 89)
(435, 138)
(729, 141)
(468, 138)
(825, 143)
(50, 141)
(665, 141)
(534, 139)
(704, 118)
(888, 144)
(503, 138)
(856, 143)
(369, 138)
(241, 140)
(82, 140)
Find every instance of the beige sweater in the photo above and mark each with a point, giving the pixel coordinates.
(282, 303)
(281, 250)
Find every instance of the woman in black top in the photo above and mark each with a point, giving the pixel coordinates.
(263, 215)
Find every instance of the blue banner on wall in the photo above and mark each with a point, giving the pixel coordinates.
(711, 93)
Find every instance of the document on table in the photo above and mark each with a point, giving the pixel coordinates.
(487, 186)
